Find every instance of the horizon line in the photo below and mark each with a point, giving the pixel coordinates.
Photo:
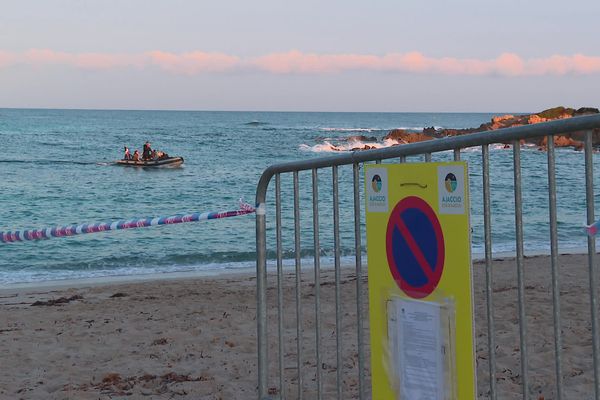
(273, 111)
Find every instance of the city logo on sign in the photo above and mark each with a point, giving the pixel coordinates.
(450, 182)
(376, 183)
(451, 189)
(377, 190)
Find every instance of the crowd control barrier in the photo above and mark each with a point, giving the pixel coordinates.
(328, 357)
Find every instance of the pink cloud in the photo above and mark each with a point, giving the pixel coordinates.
(577, 64)
(411, 62)
(555, 65)
(507, 64)
(78, 60)
(297, 62)
(6, 59)
(44, 56)
(586, 65)
(194, 62)
(107, 61)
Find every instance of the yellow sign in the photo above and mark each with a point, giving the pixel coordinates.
(420, 281)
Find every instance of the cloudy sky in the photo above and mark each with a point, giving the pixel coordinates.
(334, 55)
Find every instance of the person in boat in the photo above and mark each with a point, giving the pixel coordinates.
(136, 156)
(127, 155)
(147, 152)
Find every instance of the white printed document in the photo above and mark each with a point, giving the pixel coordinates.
(416, 344)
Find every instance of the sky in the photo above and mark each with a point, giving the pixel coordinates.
(279, 55)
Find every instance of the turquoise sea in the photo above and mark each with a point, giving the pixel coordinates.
(56, 169)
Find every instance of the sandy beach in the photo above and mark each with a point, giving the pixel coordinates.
(196, 337)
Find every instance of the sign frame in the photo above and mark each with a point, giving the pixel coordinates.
(453, 292)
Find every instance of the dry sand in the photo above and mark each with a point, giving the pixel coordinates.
(196, 337)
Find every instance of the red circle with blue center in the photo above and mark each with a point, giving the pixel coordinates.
(415, 247)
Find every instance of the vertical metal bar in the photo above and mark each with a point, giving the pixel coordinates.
(298, 281)
(338, 312)
(377, 161)
(261, 299)
(427, 157)
(317, 248)
(520, 276)
(589, 199)
(554, 263)
(402, 159)
(279, 281)
(487, 223)
(456, 154)
(359, 285)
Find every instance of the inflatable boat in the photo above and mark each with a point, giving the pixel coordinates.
(163, 162)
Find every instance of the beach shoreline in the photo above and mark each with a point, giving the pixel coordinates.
(195, 337)
(62, 284)
(228, 272)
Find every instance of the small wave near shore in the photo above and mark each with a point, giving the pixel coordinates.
(350, 145)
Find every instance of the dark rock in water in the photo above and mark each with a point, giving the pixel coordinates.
(396, 132)
(587, 110)
(429, 131)
(403, 136)
(256, 123)
(565, 112)
(556, 112)
(365, 147)
(361, 138)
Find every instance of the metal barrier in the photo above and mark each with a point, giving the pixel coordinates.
(307, 376)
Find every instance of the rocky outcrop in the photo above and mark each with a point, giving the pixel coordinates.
(506, 121)
(361, 138)
(403, 136)
(365, 147)
(561, 141)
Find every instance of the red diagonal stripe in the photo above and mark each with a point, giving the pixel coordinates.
(414, 247)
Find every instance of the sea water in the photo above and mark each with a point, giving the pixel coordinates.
(57, 168)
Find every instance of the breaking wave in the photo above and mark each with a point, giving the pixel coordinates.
(335, 145)
(352, 129)
(329, 147)
(406, 128)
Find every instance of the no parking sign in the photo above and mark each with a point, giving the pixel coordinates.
(420, 281)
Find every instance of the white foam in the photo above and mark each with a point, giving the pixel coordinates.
(352, 129)
(328, 147)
